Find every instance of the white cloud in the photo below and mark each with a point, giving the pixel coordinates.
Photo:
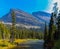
(51, 4)
(58, 1)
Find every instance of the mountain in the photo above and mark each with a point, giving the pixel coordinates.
(42, 16)
(35, 20)
(23, 19)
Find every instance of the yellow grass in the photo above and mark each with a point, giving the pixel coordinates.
(20, 40)
(5, 42)
(9, 45)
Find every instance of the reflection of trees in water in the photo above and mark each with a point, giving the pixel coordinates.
(29, 45)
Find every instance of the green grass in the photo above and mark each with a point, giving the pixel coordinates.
(57, 45)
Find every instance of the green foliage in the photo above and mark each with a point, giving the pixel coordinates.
(4, 31)
(45, 32)
(51, 27)
(45, 36)
(13, 27)
(27, 33)
(48, 37)
(57, 45)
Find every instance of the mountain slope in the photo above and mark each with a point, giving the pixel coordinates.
(22, 18)
(42, 16)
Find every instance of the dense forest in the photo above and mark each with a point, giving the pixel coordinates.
(52, 36)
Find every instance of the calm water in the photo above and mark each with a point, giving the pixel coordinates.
(31, 44)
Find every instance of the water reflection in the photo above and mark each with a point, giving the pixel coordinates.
(30, 45)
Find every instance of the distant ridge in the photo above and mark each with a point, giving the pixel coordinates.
(42, 16)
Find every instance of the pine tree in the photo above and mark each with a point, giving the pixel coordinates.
(57, 34)
(13, 28)
(51, 27)
(50, 40)
(45, 36)
(58, 26)
(2, 30)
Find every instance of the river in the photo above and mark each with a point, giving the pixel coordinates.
(33, 44)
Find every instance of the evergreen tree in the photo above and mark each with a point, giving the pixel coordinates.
(45, 36)
(13, 28)
(49, 39)
(51, 28)
(57, 34)
(2, 30)
(58, 26)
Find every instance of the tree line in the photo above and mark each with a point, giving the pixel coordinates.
(53, 34)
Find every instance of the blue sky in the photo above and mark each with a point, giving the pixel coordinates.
(25, 5)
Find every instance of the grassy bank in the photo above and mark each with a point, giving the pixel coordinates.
(57, 45)
(5, 44)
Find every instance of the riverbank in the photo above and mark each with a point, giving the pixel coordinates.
(7, 45)
(57, 45)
